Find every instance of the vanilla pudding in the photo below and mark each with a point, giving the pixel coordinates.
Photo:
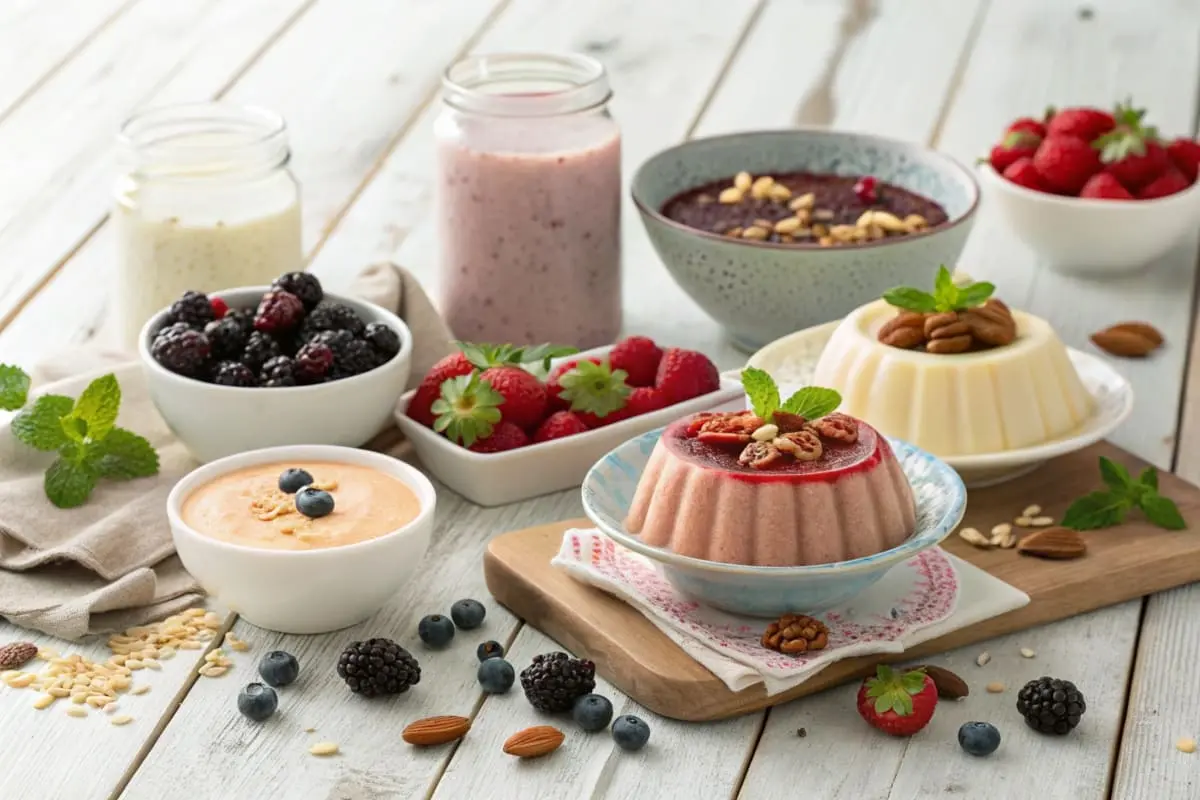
(247, 507)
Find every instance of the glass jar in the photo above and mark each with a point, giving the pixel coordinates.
(528, 201)
(204, 202)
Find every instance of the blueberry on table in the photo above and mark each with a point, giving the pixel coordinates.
(630, 732)
(257, 701)
(489, 649)
(468, 614)
(279, 668)
(496, 676)
(592, 712)
(314, 503)
(293, 480)
(435, 630)
(979, 738)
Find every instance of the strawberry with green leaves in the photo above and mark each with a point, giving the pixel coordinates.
(592, 389)
(467, 410)
(1131, 152)
(897, 703)
(1015, 145)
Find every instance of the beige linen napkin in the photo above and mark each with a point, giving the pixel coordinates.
(110, 564)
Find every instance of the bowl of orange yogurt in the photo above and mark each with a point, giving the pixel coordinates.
(254, 545)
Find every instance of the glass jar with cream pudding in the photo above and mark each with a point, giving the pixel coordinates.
(528, 201)
(204, 201)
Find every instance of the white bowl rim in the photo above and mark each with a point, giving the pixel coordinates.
(1088, 203)
(952, 164)
(144, 339)
(403, 471)
(863, 564)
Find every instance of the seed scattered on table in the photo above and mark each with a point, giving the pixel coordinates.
(1003, 529)
(44, 701)
(1027, 653)
(310, 730)
(140, 689)
(1032, 510)
(123, 719)
(1041, 522)
(983, 658)
(76, 711)
(1023, 522)
(1186, 745)
(973, 536)
(323, 748)
(995, 687)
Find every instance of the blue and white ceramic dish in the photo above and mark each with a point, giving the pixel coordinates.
(760, 291)
(941, 499)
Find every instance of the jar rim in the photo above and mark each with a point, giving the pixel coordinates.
(199, 133)
(554, 84)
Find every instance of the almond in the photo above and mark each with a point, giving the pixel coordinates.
(1059, 543)
(949, 685)
(534, 742)
(436, 730)
(1128, 339)
(1143, 329)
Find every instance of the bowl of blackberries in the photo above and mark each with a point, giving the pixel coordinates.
(262, 366)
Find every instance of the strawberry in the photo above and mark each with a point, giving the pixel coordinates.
(505, 436)
(684, 374)
(639, 357)
(524, 403)
(898, 703)
(1131, 152)
(1170, 182)
(1082, 123)
(645, 399)
(593, 390)
(1028, 125)
(467, 410)
(1103, 186)
(1185, 155)
(554, 390)
(430, 388)
(558, 425)
(1022, 172)
(1065, 163)
(1014, 145)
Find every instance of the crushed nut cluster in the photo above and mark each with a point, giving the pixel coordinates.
(795, 634)
(980, 328)
(768, 444)
(806, 223)
(274, 504)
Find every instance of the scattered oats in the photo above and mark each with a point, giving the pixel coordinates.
(123, 719)
(44, 701)
(1027, 653)
(1041, 522)
(1023, 522)
(76, 711)
(141, 689)
(1003, 529)
(1032, 510)
(983, 658)
(995, 687)
(1186, 745)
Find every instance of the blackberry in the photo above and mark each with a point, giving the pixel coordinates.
(260, 349)
(335, 340)
(182, 350)
(243, 317)
(302, 284)
(385, 340)
(192, 309)
(330, 316)
(227, 337)
(313, 362)
(279, 371)
(355, 358)
(1050, 705)
(278, 312)
(234, 373)
(555, 680)
(378, 666)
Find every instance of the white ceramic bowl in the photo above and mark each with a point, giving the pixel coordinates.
(493, 479)
(1093, 237)
(304, 591)
(215, 421)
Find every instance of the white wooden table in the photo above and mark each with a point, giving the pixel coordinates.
(357, 81)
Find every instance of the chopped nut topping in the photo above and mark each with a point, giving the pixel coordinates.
(803, 445)
(795, 634)
(760, 455)
(838, 427)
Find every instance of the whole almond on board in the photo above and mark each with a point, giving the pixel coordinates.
(436, 730)
(949, 686)
(534, 742)
(1128, 339)
(1061, 543)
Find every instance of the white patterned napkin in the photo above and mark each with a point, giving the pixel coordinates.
(929, 595)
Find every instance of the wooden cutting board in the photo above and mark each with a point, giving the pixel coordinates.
(1124, 562)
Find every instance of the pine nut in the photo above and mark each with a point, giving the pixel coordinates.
(323, 748)
(743, 181)
(730, 196)
(1033, 510)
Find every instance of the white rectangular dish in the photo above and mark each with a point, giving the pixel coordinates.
(494, 479)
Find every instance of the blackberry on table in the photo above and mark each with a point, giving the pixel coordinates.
(227, 337)
(330, 316)
(554, 681)
(279, 371)
(278, 312)
(260, 349)
(182, 350)
(313, 362)
(193, 309)
(233, 373)
(302, 284)
(385, 340)
(355, 358)
(1050, 705)
(377, 667)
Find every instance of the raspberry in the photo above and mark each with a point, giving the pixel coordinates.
(182, 350)
(866, 189)
(312, 362)
(639, 357)
(219, 307)
(279, 371)
(234, 373)
(302, 284)
(227, 336)
(260, 349)
(385, 340)
(193, 309)
(329, 316)
(278, 312)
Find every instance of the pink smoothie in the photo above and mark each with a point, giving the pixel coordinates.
(529, 216)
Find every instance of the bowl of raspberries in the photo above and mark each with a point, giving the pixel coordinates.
(262, 366)
(501, 423)
(1094, 191)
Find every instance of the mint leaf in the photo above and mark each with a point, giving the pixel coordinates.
(68, 484)
(121, 455)
(40, 425)
(1115, 475)
(74, 428)
(14, 387)
(762, 391)
(1149, 478)
(544, 353)
(813, 402)
(1162, 511)
(945, 293)
(1096, 510)
(974, 294)
(97, 407)
(910, 299)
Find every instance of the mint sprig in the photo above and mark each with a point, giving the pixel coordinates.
(1123, 493)
(811, 402)
(946, 295)
(83, 432)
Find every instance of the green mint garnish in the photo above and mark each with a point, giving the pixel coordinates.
(499, 355)
(14, 387)
(1109, 506)
(811, 402)
(84, 434)
(946, 296)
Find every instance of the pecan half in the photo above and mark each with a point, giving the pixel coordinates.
(802, 445)
(796, 633)
(760, 455)
(906, 330)
(788, 422)
(991, 323)
(947, 333)
(837, 427)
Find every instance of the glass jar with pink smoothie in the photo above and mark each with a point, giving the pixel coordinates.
(528, 201)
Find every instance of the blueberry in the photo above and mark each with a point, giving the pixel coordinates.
(314, 503)
(496, 676)
(630, 733)
(489, 649)
(257, 701)
(468, 614)
(435, 630)
(293, 480)
(593, 712)
(279, 668)
(978, 738)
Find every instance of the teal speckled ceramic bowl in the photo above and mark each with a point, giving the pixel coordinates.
(760, 291)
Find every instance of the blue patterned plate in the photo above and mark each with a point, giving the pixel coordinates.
(608, 491)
